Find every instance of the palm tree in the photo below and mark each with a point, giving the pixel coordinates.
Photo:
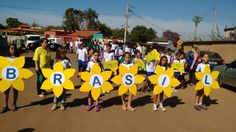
(196, 20)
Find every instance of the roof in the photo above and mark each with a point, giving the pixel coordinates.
(230, 29)
(84, 34)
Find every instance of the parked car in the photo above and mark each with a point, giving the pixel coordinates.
(214, 58)
(51, 45)
(227, 74)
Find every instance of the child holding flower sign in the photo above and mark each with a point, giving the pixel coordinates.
(95, 59)
(61, 57)
(11, 54)
(163, 63)
(199, 95)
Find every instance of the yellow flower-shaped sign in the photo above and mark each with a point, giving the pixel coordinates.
(207, 80)
(12, 73)
(179, 66)
(111, 65)
(58, 79)
(140, 64)
(153, 55)
(128, 79)
(179, 42)
(164, 81)
(96, 81)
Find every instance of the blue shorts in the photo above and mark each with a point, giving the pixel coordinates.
(177, 74)
(147, 75)
(82, 64)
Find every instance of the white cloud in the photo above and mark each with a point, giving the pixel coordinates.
(30, 16)
(183, 27)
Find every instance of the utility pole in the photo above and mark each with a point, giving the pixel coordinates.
(213, 25)
(126, 22)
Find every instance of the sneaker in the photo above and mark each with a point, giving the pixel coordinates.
(204, 107)
(162, 109)
(89, 107)
(62, 108)
(197, 107)
(174, 90)
(154, 108)
(97, 109)
(5, 109)
(54, 107)
(41, 95)
(14, 107)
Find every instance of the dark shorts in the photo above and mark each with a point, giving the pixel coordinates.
(82, 64)
(147, 75)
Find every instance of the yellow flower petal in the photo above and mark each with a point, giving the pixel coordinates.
(199, 75)
(207, 70)
(106, 86)
(4, 85)
(47, 72)
(207, 90)
(58, 67)
(96, 69)
(160, 70)
(153, 79)
(199, 85)
(157, 90)
(133, 69)
(122, 89)
(123, 70)
(86, 87)
(96, 93)
(19, 62)
(215, 85)
(85, 76)
(215, 75)
(139, 79)
(4, 62)
(174, 82)
(68, 85)
(58, 91)
(133, 89)
(168, 91)
(25, 73)
(47, 85)
(18, 84)
(117, 79)
(106, 75)
(69, 73)
(170, 72)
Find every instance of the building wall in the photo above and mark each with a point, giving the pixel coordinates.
(227, 50)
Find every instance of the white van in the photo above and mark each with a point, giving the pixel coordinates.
(30, 38)
(55, 40)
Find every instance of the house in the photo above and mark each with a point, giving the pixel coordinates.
(52, 33)
(230, 33)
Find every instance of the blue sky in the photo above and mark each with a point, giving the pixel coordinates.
(161, 15)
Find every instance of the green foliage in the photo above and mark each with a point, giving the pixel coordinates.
(142, 34)
(12, 22)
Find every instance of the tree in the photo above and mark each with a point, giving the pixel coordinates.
(2, 26)
(70, 24)
(142, 34)
(91, 18)
(170, 35)
(75, 20)
(196, 20)
(12, 22)
(118, 33)
(105, 30)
